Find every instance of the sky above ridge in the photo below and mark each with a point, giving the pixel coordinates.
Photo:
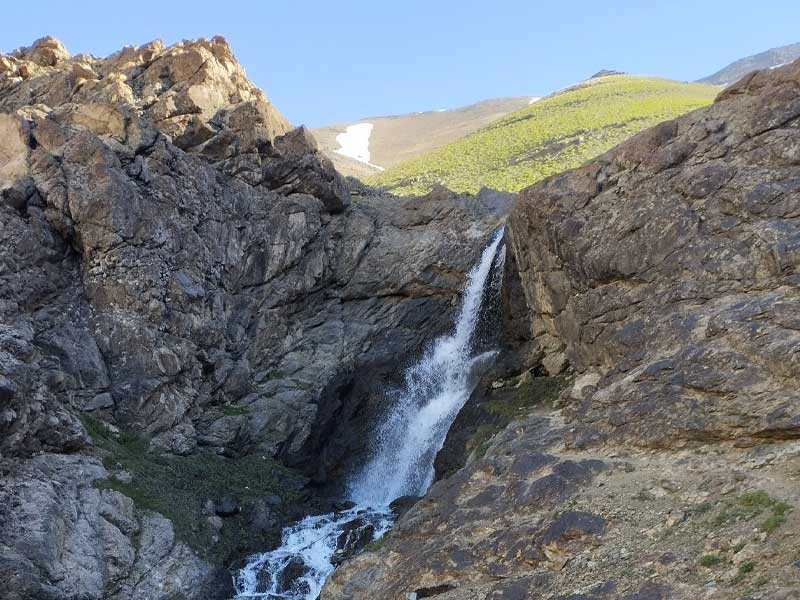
(332, 61)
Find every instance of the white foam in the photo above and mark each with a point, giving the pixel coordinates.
(435, 390)
(311, 541)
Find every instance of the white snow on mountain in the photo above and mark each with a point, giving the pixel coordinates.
(354, 141)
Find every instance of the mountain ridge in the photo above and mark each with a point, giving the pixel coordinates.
(774, 57)
(557, 132)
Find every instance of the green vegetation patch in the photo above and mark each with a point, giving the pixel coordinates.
(761, 581)
(754, 504)
(512, 402)
(508, 403)
(178, 486)
(480, 440)
(376, 545)
(744, 570)
(701, 508)
(556, 133)
(230, 410)
(710, 560)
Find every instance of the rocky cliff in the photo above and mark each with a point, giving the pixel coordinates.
(187, 292)
(662, 279)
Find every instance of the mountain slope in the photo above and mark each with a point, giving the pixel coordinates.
(392, 139)
(554, 134)
(769, 59)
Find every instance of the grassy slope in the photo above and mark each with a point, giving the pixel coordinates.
(402, 137)
(177, 487)
(557, 133)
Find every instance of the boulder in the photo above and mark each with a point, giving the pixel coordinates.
(227, 506)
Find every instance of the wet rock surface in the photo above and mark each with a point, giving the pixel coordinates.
(660, 280)
(180, 264)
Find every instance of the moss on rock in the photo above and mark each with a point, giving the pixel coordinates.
(178, 487)
(488, 412)
(510, 402)
(507, 403)
(750, 505)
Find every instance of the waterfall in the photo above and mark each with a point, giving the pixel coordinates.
(434, 391)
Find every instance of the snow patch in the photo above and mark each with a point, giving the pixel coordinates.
(354, 143)
(534, 99)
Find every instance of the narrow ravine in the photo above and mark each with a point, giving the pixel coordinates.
(401, 464)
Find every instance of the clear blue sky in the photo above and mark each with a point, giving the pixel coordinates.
(324, 61)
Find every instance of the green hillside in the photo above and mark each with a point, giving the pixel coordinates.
(559, 132)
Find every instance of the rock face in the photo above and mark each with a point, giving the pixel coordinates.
(63, 538)
(176, 262)
(666, 273)
(195, 92)
(663, 278)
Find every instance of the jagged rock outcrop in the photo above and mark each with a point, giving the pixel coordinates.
(662, 277)
(63, 538)
(194, 92)
(180, 265)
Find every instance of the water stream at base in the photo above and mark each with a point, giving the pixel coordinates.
(435, 389)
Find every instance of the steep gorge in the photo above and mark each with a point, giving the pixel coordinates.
(199, 321)
(188, 290)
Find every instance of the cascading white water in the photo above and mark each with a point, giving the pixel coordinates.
(309, 545)
(435, 389)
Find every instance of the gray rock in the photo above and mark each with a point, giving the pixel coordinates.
(262, 516)
(101, 400)
(666, 268)
(64, 538)
(215, 522)
(227, 506)
(181, 264)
